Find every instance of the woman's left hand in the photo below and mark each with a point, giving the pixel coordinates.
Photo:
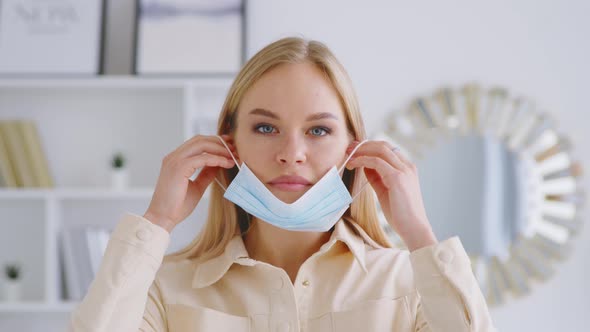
(395, 180)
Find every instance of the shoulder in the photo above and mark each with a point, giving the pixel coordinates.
(392, 263)
(390, 267)
(176, 273)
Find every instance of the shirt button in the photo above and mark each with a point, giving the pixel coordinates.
(305, 283)
(278, 284)
(144, 234)
(445, 256)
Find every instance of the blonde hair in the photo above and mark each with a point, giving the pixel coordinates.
(225, 219)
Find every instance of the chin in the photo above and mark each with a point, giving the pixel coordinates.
(287, 197)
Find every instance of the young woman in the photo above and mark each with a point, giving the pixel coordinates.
(292, 240)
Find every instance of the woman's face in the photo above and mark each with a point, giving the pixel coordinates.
(291, 129)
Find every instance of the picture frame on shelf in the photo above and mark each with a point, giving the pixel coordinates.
(69, 35)
(181, 38)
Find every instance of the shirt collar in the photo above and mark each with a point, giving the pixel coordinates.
(210, 271)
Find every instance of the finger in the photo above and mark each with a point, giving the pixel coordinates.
(404, 159)
(372, 175)
(374, 179)
(384, 175)
(210, 145)
(204, 138)
(381, 166)
(394, 158)
(394, 155)
(202, 160)
(383, 150)
(190, 141)
(203, 180)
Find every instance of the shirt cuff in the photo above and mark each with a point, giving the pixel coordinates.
(442, 259)
(148, 237)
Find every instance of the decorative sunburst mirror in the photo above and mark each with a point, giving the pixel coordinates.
(497, 173)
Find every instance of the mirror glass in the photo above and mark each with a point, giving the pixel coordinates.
(482, 175)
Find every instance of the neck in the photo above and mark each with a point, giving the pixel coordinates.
(282, 248)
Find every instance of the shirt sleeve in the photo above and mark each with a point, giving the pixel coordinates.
(123, 296)
(448, 294)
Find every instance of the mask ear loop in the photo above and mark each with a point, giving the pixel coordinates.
(232, 155)
(346, 161)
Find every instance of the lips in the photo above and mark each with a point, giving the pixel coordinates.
(290, 179)
(290, 183)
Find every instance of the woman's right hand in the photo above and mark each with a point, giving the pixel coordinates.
(176, 195)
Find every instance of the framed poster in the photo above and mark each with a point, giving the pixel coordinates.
(57, 37)
(196, 37)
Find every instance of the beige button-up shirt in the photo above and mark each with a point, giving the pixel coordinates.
(350, 284)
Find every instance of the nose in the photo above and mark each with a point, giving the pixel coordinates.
(292, 150)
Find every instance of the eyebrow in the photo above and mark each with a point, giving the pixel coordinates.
(316, 116)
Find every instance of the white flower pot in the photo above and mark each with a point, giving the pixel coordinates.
(119, 178)
(12, 290)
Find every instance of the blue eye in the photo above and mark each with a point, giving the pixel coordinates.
(264, 129)
(319, 131)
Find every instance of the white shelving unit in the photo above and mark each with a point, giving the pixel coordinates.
(81, 123)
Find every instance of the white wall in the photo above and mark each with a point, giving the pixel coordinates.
(395, 50)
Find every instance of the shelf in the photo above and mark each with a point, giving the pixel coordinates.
(80, 193)
(75, 193)
(81, 122)
(37, 307)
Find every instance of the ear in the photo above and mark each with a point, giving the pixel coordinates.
(229, 139)
(351, 146)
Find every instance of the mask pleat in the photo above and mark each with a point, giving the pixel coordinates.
(316, 210)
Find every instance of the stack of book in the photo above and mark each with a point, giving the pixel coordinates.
(82, 249)
(23, 162)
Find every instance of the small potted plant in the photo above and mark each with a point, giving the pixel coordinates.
(12, 283)
(119, 176)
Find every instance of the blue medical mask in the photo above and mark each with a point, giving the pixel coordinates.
(316, 211)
